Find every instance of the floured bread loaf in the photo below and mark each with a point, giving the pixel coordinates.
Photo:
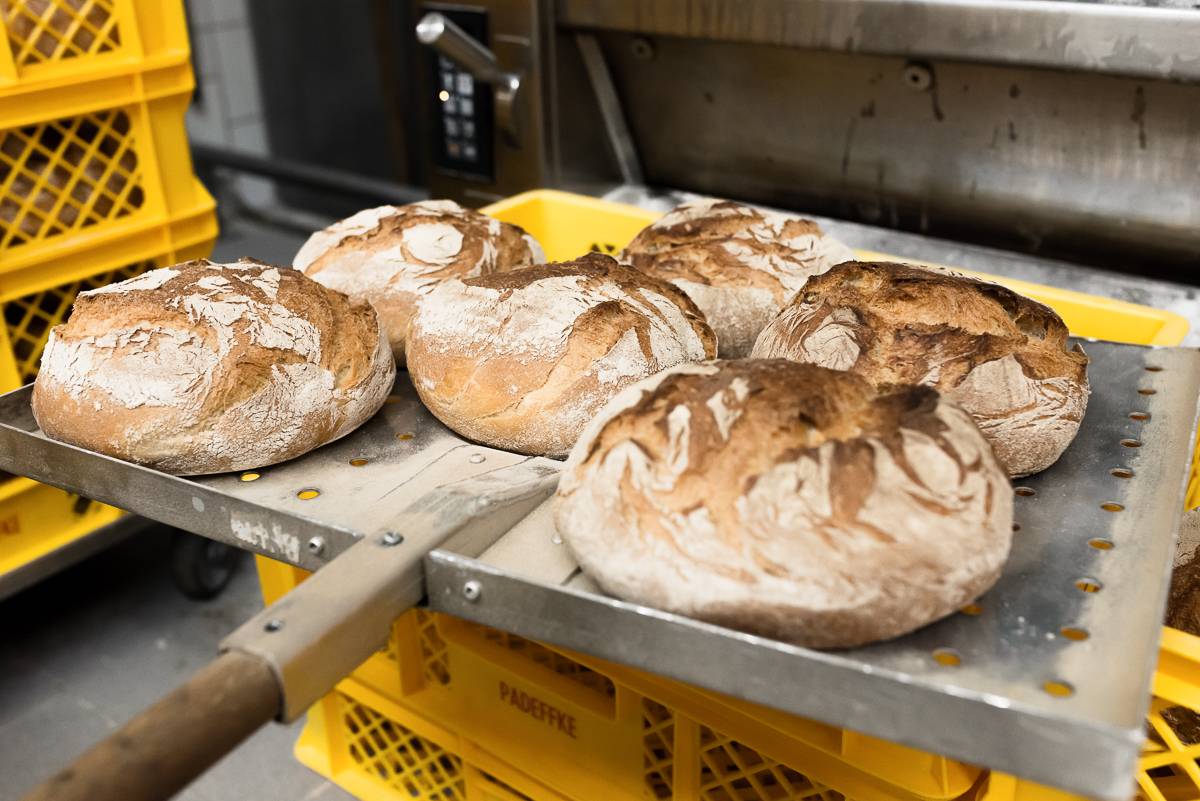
(204, 368)
(740, 264)
(522, 360)
(787, 500)
(393, 256)
(1003, 356)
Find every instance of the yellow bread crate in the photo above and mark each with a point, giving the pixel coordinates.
(589, 729)
(96, 185)
(95, 170)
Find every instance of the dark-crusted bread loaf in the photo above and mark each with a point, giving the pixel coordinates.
(393, 256)
(1003, 356)
(787, 500)
(204, 368)
(522, 360)
(740, 264)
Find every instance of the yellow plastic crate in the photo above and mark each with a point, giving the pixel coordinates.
(581, 728)
(95, 170)
(96, 185)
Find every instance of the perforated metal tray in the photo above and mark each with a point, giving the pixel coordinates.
(991, 709)
(1046, 680)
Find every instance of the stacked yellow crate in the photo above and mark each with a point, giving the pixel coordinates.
(96, 185)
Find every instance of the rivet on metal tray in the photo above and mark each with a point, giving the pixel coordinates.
(250, 476)
(1153, 369)
(1059, 688)
(358, 462)
(1072, 633)
(307, 494)
(404, 435)
(1139, 416)
(1131, 443)
(393, 538)
(274, 625)
(1122, 472)
(972, 609)
(1101, 545)
(946, 656)
(1024, 492)
(478, 458)
(1147, 392)
(1088, 585)
(472, 591)
(316, 545)
(1112, 506)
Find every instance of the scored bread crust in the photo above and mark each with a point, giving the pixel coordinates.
(738, 263)
(393, 256)
(1005, 357)
(521, 361)
(787, 500)
(205, 368)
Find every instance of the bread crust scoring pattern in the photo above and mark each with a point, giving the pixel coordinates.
(787, 500)
(205, 368)
(393, 256)
(1005, 357)
(738, 263)
(522, 360)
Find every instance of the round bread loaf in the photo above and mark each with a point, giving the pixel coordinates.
(204, 368)
(1003, 356)
(787, 500)
(738, 263)
(393, 256)
(521, 361)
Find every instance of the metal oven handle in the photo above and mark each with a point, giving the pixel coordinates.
(438, 32)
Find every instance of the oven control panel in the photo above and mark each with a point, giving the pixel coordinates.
(461, 110)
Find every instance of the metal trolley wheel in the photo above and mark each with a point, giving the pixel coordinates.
(201, 567)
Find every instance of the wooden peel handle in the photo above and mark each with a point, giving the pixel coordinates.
(162, 750)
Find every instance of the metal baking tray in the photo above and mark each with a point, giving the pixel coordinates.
(992, 709)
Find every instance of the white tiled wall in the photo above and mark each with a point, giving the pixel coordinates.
(229, 112)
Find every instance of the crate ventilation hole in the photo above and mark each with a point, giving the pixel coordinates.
(53, 30)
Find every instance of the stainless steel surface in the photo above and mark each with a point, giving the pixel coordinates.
(1181, 299)
(314, 636)
(1096, 167)
(1162, 41)
(995, 708)
(451, 41)
(69, 553)
(620, 141)
(363, 482)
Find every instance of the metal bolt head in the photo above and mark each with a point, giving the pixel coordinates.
(274, 625)
(918, 76)
(393, 538)
(316, 545)
(472, 590)
(642, 48)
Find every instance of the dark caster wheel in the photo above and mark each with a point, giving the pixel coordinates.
(201, 567)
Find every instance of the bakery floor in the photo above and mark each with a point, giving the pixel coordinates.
(85, 650)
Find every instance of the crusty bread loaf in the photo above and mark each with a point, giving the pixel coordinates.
(738, 263)
(204, 368)
(787, 500)
(393, 256)
(522, 360)
(1003, 356)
